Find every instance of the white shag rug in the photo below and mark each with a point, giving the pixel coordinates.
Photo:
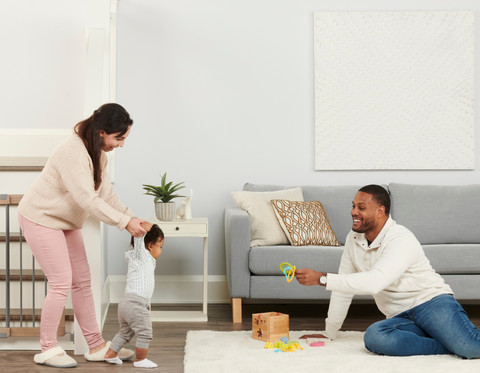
(237, 352)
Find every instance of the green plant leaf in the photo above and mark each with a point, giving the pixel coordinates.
(165, 191)
(177, 187)
(176, 196)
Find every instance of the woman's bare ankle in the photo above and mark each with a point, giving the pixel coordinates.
(98, 348)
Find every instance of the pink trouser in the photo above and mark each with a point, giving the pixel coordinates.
(61, 255)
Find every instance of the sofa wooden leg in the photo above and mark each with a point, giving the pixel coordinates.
(237, 310)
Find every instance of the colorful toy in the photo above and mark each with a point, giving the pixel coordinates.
(291, 271)
(292, 347)
(269, 345)
(270, 326)
(284, 345)
(317, 342)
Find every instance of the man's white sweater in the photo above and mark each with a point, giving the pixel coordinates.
(394, 269)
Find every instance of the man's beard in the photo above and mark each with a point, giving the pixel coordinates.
(366, 225)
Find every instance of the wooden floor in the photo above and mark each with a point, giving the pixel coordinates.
(167, 346)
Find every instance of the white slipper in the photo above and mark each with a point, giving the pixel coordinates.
(123, 354)
(51, 358)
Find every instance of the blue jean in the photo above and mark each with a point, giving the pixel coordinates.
(439, 326)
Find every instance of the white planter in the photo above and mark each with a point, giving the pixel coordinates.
(165, 211)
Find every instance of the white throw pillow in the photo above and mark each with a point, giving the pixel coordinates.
(264, 226)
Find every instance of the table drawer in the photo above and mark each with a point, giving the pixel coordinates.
(184, 228)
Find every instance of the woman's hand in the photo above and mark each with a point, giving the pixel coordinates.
(146, 225)
(135, 228)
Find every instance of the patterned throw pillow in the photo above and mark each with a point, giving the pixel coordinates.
(304, 223)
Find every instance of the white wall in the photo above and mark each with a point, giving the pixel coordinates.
(42, 69)
(221, 92)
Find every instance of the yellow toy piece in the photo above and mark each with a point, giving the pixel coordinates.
(269, 345)
(291, 271)
(291, 347)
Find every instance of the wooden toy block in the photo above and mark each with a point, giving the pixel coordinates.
(270, 326)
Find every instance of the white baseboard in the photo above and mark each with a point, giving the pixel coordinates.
(176, 289)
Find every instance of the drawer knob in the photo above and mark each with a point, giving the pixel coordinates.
(177, 228)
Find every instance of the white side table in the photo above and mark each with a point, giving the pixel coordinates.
(186, 228)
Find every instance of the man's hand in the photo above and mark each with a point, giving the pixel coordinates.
(146, 225)
(307, 277)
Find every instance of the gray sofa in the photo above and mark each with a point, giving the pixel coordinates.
(445, 219)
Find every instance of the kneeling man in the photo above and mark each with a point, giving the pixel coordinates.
(384, 259)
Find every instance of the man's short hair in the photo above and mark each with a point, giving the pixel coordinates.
(379, 195)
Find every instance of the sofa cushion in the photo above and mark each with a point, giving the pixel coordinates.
(454, 258)
(438, 214)
(266, 260)
(336, 200)
(276, 287)
(464, 287)
(304, 223)
(264, 226)
(445, 259)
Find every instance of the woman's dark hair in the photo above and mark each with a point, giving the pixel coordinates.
(111, 118)
(152, 236)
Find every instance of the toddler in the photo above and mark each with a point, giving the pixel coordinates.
(134, 308)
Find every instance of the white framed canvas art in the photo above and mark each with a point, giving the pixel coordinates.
(394, 90)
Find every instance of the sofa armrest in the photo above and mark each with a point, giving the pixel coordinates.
(237, 246)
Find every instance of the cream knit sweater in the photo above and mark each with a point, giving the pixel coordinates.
(63, 196)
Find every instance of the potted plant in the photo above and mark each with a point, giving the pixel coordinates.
(164, 209)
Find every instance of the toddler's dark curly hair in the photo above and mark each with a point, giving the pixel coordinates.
(152, 236)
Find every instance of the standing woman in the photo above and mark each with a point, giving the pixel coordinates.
(73, 185)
